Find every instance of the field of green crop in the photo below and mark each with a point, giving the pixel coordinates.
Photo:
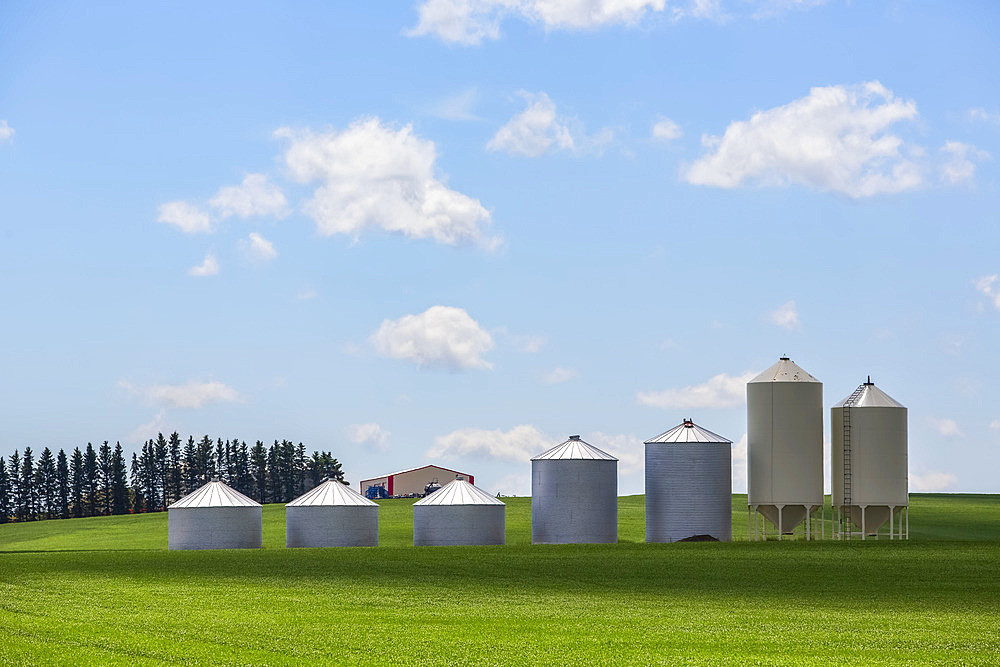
(105, 590)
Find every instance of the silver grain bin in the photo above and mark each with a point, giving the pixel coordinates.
(214, 517)
(869, 462)
(459, 513)
(574, 495)
(785, 445)
(331, 515)
(689, 485)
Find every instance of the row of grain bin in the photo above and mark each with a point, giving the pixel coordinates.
(216, 516)
(785, 456)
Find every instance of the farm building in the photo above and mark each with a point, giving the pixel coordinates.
(784, 447)
(412, 482)
(689, 485)
(459, 513)
(331, 515)
(214, 517)
(870, 485)
(574, 495)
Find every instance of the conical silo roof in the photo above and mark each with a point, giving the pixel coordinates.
(785, 370)
(688, 431)
(870, 397)
(331, 493)
(459, 492)
(574, 448)
(214, 494)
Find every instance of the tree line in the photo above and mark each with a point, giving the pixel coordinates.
(96, 482)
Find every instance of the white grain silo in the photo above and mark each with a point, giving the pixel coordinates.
(459, 513)
(784, 447)
(214, 517)
(574, 495)
(689, 485)
(869, 466)
(331, 515)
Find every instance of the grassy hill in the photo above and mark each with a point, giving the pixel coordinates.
(105, 590)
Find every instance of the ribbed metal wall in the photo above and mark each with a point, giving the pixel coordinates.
(574, 501)
(331, 526)
(449, 525)
(214, 528)
(688, 491)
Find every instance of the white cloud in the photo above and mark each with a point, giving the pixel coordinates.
(786, 317)
(518, 444)
(946, 428)
(559, 375)
(376, 176)
(515, 484)
(539, 129)
(6, 131)
(739, 457)
(370, 434)
(257, 249)
(256, 196)
(209, 267)
(186, 217)
(666, 130)
(835, 139)
(527, 343)
(720, 391)
(458, 106)
(990, 287)
(440, 337)
(995, 424)
(960, 166)
(469, 22)
(194, 394)
(147, 431)
(982, 114)
(628, 449)
(931, 482)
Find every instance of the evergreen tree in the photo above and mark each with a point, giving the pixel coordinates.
(119, 482)
(76, 483)
(190, 466)
(273, 475)
(174, 476)
(258, 471)
(14, 481)
(46, 485)
(138, 501)
(301, 463)
(160, 471)
(4, 492)
(90, 480)
(206, 460)
(27, 486)
(62, 481)
(220, 460)
(241, 469)
(104, 476)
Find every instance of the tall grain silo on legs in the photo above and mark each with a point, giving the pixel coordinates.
(574, 495)
(784, 447)
(689, 485)
(869, 464)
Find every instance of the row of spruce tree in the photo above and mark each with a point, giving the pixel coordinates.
(94, 482)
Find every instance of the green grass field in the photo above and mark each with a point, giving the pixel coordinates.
(105, 590)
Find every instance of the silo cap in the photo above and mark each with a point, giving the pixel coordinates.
(574, 437)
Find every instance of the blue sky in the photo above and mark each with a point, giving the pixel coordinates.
(455, 231)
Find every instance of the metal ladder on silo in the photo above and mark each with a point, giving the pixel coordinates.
(846, 501)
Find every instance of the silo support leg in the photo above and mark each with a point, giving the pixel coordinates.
(863, 530)
(808, 511)
(749, 515)
(907, 522)
(780, 507)
(891, 510)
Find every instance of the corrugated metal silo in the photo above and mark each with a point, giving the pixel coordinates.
(689, 485)
(331, 515)
(214, 517)
(459, 513)
(785, 445)
(869, 461)
(574, 495)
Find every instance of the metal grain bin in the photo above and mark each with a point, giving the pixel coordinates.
(214, 517)
(331, 515)
(574, 495)
(689, 485)
(785, 445)
(869, 461)
(459, 513)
